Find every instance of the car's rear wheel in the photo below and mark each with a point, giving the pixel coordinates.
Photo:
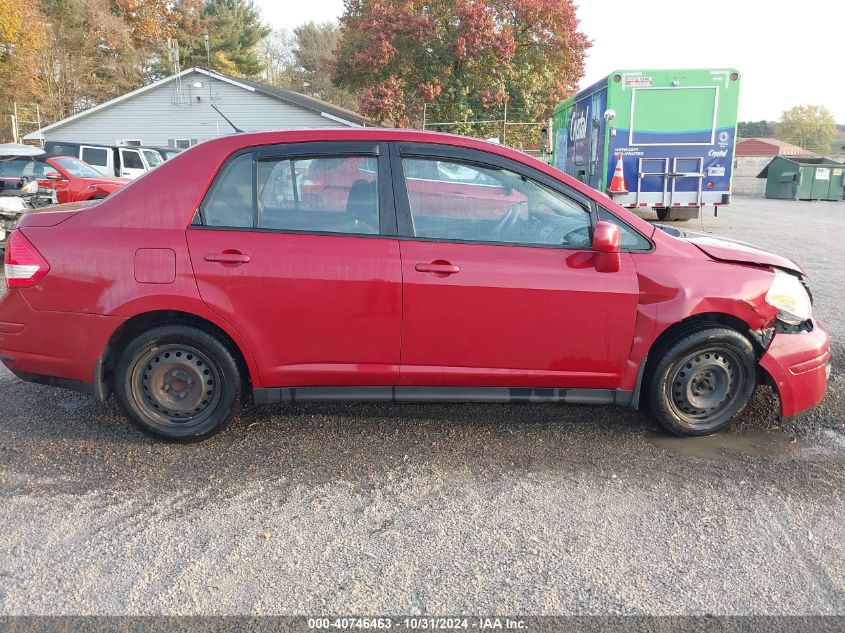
(178, 383)
(702, 381)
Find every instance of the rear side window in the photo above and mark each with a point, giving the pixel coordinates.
(320, 195)
(308, 194)
(229, 202)
(95, 156)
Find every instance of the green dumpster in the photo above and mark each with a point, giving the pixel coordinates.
(800, 178)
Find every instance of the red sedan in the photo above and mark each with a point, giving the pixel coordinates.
(377, 264)
(75, 181)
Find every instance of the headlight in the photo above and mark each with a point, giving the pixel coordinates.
(789, 296)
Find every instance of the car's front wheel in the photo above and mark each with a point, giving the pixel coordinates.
(702, 381)
(178, 383)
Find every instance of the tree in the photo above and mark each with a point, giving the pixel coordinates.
(275, 53)
(91, 56)
(301, 61)
(811, 127)
(465, 59)
(150, 21)
(755, 129)
(234, 28)
(23, 40)
(310, 70)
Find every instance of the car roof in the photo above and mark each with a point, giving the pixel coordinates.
(104, 146)
(41, 158)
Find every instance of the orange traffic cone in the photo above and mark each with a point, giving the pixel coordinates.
(617, 184)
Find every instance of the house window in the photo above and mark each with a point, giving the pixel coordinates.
(181, 143)
(134, 142)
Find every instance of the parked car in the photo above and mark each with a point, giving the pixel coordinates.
(19, 191)
(124, 161)
(439, 268)
(72, 179)
(165, 152)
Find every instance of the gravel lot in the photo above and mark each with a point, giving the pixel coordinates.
(437, 509)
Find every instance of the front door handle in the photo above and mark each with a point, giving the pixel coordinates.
(228, 257)
(438, 267)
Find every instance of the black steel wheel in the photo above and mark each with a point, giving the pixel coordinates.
(702, 381)
(178, 383)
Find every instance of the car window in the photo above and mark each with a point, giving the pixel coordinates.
(95, 156)
(631, 240)
(229, 202)
(154, 159)
(132, 160)
(324, 195)
(76, 167)
(451, 200)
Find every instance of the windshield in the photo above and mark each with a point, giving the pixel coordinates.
(170, 153)
(154, 159)
(76, 167)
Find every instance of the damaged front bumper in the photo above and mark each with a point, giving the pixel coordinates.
(8, 222)
(799, 365)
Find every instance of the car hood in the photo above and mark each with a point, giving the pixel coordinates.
(106, 181)
(741, 252)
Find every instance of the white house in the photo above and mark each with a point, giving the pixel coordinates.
(192, 106)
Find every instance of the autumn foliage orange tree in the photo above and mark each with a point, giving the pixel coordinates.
(462, 58)
(68, 55)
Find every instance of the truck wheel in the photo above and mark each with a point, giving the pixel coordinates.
(702, 381)
(662, 213)
(178, 383)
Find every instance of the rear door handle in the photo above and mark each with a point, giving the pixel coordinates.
(228, 257)
(438, 267)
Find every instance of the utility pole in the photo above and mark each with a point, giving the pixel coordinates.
(424, 112)
(505, 122)
(208, 65)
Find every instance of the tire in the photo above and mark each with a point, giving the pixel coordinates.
(662, 213)
(702, 381)
(178, 383)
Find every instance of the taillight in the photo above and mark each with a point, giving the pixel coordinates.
(24, 265)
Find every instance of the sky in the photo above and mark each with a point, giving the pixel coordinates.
(789, 53)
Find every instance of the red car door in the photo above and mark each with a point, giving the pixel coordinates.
(308, 281)
(508, 299)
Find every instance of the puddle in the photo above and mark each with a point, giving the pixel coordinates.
(730, 446)
(837, 438)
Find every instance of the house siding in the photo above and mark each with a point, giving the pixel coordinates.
(158, 115)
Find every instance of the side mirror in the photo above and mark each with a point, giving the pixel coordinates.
(53, 175)
(607, 251)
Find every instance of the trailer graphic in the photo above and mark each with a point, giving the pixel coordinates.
(673, 130)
